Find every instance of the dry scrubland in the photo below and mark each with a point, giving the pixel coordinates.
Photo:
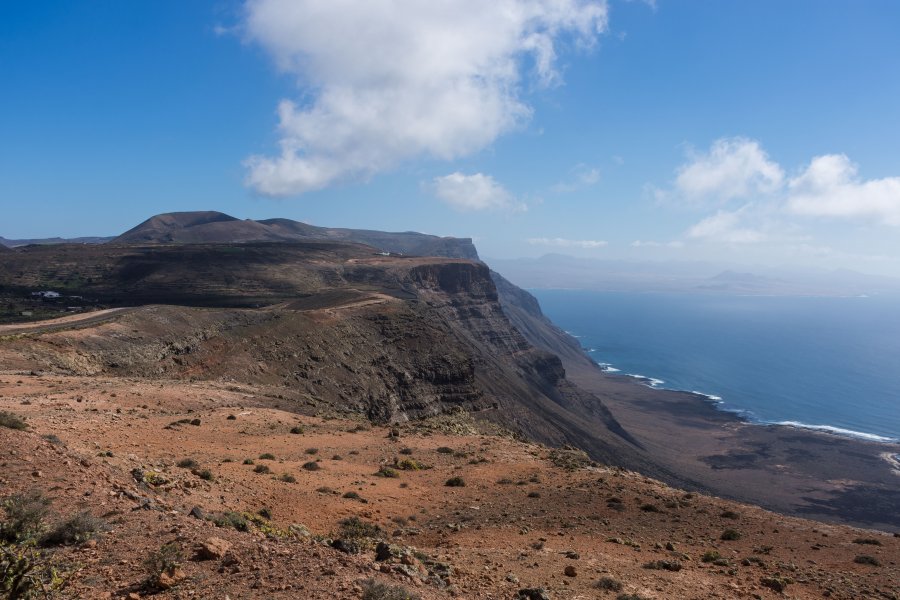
(209, 490)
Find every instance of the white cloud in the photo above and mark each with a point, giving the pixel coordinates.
(581, 176)
(733, 168)
(392, 80)
(474, 193)
(566, 243)
(652, 244)
(725, 226)
(830, 187)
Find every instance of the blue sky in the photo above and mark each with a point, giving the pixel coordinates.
(760, 132)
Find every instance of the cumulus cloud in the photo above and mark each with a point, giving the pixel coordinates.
(566, 243)
(473, 193)
(726, 227)
(830, 187)
(733, 168)
(392, 80)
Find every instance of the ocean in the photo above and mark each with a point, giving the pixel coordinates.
(818, 362)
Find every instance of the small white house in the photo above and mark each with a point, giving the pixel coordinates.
(46, 294)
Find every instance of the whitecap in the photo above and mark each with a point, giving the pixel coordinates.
(838, 431)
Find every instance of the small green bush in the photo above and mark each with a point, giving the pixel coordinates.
(165, 560)
(12, 421)
(868, 541)
(204, 474)
(608, 583)
(187, 463)
(262, 469)
(297, 430)
(77, 529)
(710, 556)
(387, 472)
(25, 514)
(312, 466)
(287, 478)
(445, 450)
(248, 461)
(231, 519)
(663, 565)
(311, 451)
(455, 482)
(266, 456)
(375, 590)
(730, 535)
(865, 559)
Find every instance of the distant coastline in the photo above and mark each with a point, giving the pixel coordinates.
(742, 414)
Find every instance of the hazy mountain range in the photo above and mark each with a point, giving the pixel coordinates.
(567, 272)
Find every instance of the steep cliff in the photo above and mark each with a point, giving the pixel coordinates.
(341, 328)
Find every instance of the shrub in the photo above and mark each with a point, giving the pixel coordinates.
(608, 583)
(266, 456)
(296, 429)
(311, 466)
(165, 560)
(710, 556)
(248, 461)
(187, 463)
(265, 513)
(387, 472)
(262, 469)
(351, 496)
(337, 457)
(868, 541)
(455, 482)
(534, 494)
(729, 514)
(663, 565)
(375, 590)
(649, 508)
(27, 573)
(406, 451)
(445, 450)
(865, 559)
(25, 514)
(195, 422)
(76, 529)
(231, 418)
(287, 478)
(730, 535)
(311, 451)
(204, 474)
(231, 519)
(355, 535)
(11, 421)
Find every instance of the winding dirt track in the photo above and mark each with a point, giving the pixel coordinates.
(69, 322)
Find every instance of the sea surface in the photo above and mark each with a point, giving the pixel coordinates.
(820, 362)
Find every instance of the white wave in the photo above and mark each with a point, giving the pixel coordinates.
(649, 381)
(610, 369)
(838, 431)
(716, 399)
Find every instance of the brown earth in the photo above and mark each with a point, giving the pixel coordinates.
(524, 516)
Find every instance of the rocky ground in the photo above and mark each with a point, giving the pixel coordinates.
(211, 490)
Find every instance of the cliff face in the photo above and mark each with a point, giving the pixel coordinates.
(342, 329)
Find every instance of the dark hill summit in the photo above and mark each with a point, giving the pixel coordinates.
(210, 227)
